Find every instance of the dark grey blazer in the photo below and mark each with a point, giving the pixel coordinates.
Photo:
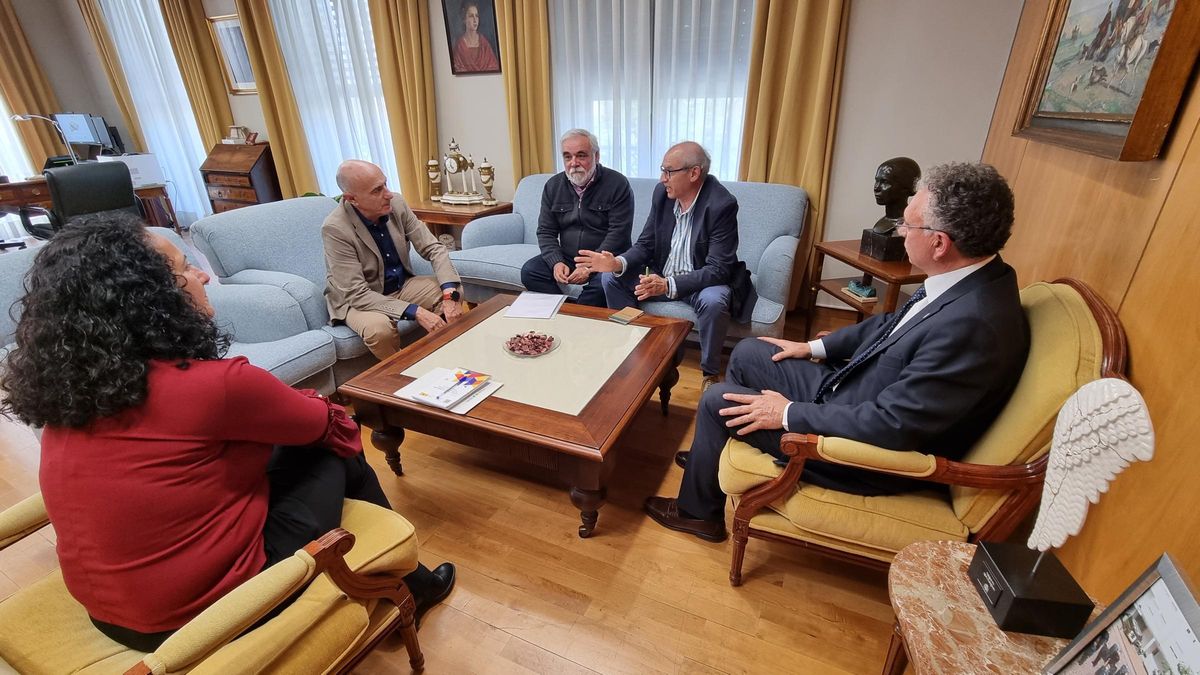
(939, 381)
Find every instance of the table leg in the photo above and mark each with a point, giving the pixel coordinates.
(668, 381)
(588, 502)
(897, 656)
(892, 299)
(813, 290)
(388, 439)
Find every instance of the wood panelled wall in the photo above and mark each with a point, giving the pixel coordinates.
(1132, 231)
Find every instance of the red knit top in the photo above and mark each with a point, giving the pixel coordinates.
(159, 510)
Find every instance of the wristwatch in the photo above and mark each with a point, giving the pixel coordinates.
(451, 294)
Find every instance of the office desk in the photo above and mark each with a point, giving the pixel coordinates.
(155, 202)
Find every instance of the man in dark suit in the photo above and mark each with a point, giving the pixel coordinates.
(687, 251)
(587, 206)
(931, 376)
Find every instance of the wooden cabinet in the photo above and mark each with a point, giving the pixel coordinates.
(240, 175)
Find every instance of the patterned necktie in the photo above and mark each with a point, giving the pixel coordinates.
(840, 374)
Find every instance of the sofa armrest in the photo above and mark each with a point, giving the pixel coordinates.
(310, 298)
(257, 313)
(504, 228)
(22, 519)
(775, 267)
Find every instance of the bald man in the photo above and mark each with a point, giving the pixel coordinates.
(370, 284)
(687, 251)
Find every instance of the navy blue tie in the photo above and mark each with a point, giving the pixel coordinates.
(840, 374)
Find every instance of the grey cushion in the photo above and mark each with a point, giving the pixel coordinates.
(499, 266)
(293, 358)
(13, 266)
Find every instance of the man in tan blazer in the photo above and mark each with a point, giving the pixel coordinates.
(369, 281)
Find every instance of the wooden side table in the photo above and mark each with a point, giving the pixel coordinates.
(890, 275)
(450, 219)
(942, 625)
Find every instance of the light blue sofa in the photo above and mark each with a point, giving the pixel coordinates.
(770, 219)
(279, 244)
(264, 322)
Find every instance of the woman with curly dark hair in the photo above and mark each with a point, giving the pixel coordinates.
(171, 475)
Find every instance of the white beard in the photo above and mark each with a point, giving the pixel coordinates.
(579, 179)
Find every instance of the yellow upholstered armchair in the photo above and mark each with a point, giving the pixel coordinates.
(1075, 339)
(355, 598)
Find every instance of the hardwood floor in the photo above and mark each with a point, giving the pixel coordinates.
(534, 597)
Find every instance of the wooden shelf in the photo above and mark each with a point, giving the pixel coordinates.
(834, 288)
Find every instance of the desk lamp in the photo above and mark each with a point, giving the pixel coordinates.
(63, 136)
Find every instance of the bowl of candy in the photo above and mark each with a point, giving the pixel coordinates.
(531, 344)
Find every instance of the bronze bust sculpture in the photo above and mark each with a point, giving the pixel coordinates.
(895, 183)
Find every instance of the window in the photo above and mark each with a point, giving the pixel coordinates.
(14, 163)
(161, 102)
(645, 74)
(329, 51)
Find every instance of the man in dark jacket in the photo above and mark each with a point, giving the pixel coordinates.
(931, 376)
(587, 206)
(687, 251)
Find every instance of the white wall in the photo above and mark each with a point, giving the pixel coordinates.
(471, 109)
(247, 111)
(921, 80)
(67, 54)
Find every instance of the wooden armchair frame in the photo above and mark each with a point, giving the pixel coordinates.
(329, 556)
(1024, 481)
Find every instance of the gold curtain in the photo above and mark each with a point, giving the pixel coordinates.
(524, 32)
(93, 16)
(289, 147)
(24, 87)
(791, 105)
(401, 32)
(187, 28)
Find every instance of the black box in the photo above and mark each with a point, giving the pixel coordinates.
(1047, 603)
(886, 247)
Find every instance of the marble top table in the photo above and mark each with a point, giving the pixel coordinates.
(942, 623)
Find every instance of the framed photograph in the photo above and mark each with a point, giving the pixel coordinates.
(1109, 75)
(1151, 628)
(471, 36)
(231, 48)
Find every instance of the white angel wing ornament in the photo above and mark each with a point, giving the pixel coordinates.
(1101, 429)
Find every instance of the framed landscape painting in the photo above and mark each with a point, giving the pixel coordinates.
(1109, 75)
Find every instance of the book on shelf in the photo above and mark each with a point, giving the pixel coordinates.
(445, 387)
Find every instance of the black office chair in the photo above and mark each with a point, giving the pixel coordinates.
(89, 187)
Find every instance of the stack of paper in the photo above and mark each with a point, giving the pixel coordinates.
(457, 390)
(535, 306)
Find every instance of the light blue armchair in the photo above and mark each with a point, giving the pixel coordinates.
(265, 323)
(770, 220)
(279, 244)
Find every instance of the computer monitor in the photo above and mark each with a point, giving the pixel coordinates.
(100, 131)
(77, 128)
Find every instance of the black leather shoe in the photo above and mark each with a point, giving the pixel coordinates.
(681, 458)
(665, 512)
(437, 592)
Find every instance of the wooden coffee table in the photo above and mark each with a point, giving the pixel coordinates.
(563, 411)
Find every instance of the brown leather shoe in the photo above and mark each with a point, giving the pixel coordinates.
(681, 458)
(665, 512)
(708, 381)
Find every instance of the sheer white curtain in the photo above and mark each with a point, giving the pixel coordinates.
(330, 57)
(645, 74)
(162, 104)
(14, 163)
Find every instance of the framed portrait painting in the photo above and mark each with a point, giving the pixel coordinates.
(1109, 75)
(231, 48)
(1150, 628)
(471, 36)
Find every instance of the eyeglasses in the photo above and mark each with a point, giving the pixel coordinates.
(924, 227)
(671, 172)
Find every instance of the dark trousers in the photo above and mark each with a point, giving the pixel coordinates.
(308, 486)
(537, 276)
(750, 371)
(711, 305)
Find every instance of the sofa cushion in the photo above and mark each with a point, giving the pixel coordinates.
(13, 266)
(291, 359)
(494, 265)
